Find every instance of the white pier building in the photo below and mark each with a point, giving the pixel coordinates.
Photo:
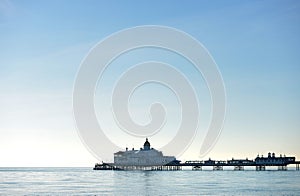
(144, 157)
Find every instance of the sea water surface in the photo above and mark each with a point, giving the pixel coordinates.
(86, 181)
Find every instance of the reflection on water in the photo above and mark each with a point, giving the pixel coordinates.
(87, 181)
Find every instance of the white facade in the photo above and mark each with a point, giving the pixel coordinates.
(143, 157)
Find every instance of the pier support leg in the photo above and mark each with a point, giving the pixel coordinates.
(282, 167)
(197, 168)
(217, 168)
(260, 168)
(297, 167)
(238, 168)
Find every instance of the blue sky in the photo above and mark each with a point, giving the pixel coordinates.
(256, 45)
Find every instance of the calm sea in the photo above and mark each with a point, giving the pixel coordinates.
(85, 181)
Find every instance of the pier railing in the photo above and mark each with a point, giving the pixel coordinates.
(260, 163)
(241, 163)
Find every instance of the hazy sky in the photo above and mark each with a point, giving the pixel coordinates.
(256, 45)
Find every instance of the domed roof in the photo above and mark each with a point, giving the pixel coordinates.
(147, 145)
(146, 142)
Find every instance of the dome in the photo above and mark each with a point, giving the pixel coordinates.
(147, 145)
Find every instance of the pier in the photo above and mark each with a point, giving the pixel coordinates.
(260, 163)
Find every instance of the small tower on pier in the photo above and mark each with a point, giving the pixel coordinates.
(147, 145)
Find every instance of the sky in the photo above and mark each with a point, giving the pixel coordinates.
(255, 44)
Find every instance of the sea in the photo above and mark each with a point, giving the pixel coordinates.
(86, 181)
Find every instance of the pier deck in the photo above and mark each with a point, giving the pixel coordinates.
(238, 164)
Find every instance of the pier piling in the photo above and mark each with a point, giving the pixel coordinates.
(282, 168)
(260, 168)
(197, 168)
(238, 168)
(218, 168)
